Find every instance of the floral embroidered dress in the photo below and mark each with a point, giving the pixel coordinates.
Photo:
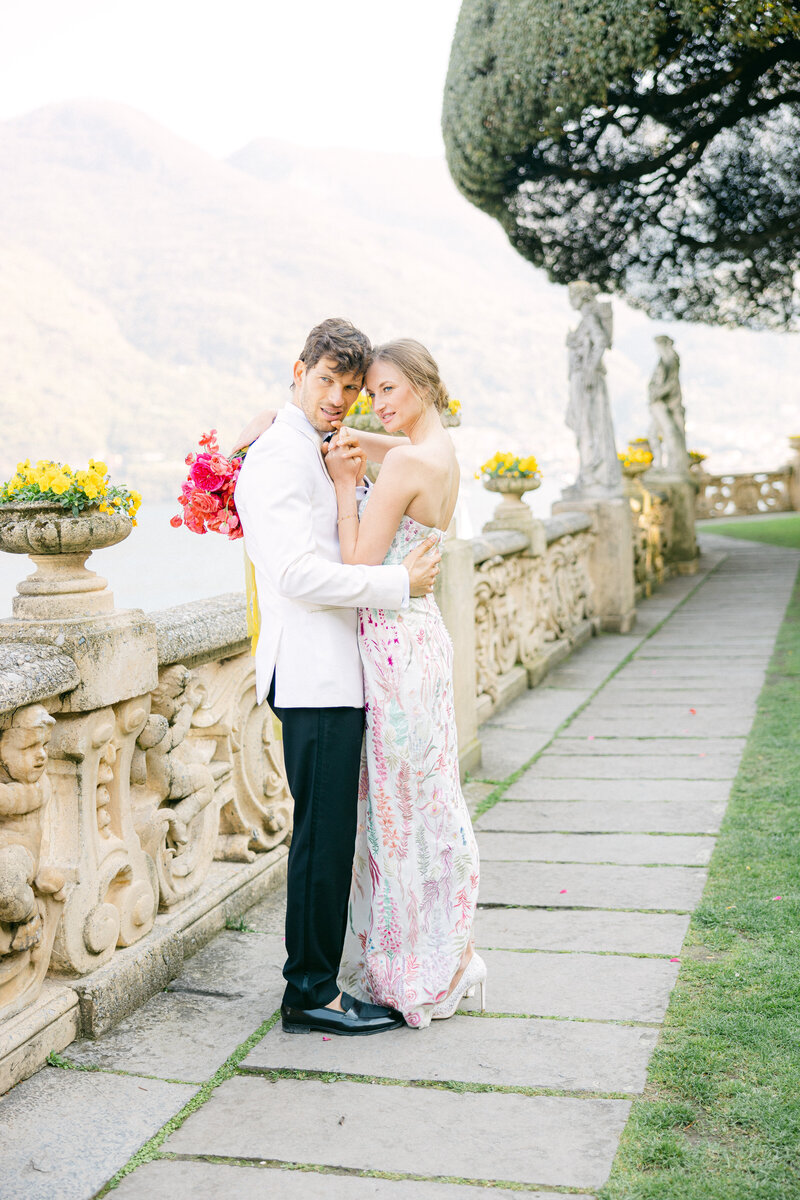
(415, 873)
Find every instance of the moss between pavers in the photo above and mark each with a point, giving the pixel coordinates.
(150, 1149)
(459, 1086)
(720, 1117)
(273, 1164)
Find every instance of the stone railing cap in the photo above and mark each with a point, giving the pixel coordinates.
(30, 672)
(201, 628)
(565, 523)
(503, 542)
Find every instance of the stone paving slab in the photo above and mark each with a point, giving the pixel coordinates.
(672, 723)
(503, 1052)
(554, 765)
(710, 659)
(578, 885)
(623, 746)
(576, 675)
(504, 749)
(235, 964)
(63, 1134)
(687, 669)
(534, 785)
(540, 1140)
(542, 708)
(599, 816)
(269, 915)
(626, 689)
(182, 1180)
(625, 848)
(649, 703)
(591, 987)
(178, 1035)
(566, 929)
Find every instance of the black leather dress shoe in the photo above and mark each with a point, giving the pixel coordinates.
(357, 1018)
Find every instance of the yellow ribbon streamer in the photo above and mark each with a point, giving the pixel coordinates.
(253, 613)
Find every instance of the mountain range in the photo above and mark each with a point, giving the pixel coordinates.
(150, 291)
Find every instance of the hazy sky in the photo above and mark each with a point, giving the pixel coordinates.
(362, 73)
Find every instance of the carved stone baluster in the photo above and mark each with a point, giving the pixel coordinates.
(256, 805)
(113, 901)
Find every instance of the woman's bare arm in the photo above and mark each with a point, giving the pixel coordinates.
(368, 540)
(376, 445)
(254, 429)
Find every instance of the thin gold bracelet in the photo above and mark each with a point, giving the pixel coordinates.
(349, 517)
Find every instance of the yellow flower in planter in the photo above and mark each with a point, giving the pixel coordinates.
(72, 490)
(635, 456)
(503, 465)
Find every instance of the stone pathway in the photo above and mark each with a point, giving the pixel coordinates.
(592, 861)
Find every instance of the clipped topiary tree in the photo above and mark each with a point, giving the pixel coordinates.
(650, 146)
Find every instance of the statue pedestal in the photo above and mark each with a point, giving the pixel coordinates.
(682, 553)
(610, 559)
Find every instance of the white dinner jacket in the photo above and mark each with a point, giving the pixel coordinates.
(307, 597)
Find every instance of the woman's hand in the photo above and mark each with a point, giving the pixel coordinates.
(344, 448)
(254, 429)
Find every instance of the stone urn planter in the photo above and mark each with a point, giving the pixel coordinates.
(635, 469)
(59, 544)
(511, 512)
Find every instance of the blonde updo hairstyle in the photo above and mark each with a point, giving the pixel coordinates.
(419, 367)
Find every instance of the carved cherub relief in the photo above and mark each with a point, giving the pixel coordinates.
(25, 875)
(187, 786)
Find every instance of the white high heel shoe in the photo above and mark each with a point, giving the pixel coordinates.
(474, 975)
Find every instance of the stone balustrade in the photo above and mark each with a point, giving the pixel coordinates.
(749, 493)
(130, 829)
(533, 604)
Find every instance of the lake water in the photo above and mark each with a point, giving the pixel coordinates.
(158, 566)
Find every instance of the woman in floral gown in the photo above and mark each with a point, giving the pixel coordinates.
(415, 874)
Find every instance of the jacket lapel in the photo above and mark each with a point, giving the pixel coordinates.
(291, 415)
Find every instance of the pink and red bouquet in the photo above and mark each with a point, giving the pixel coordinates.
(207, 495)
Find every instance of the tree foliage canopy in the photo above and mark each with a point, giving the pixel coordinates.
(650, 146)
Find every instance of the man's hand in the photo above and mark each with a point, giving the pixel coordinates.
(422, 565)
(346, 464)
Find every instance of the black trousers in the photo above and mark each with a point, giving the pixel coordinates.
(322, 752)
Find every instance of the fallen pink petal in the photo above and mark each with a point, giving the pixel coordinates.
(674, 960)
(325, 1039)
(777, 897)
(563, 892)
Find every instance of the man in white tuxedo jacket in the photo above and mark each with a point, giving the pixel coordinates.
(308, 665)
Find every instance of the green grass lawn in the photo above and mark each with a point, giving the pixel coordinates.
(720, 1116)
(777, 531)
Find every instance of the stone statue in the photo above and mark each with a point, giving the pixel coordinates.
(25, 880)
(589, 412)
(667, 433)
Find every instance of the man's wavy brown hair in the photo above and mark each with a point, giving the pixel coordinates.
(339, 340)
